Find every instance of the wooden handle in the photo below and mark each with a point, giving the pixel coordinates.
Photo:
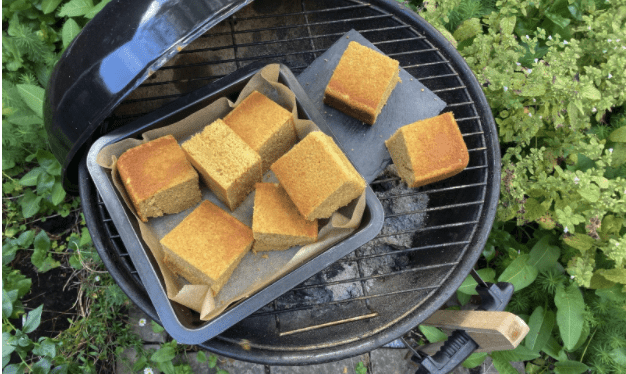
(492, 331)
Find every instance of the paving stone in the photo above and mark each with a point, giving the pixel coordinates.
(391, 361)
(127, 359)
(137, 318)
(338, 367)
(488, 368)
(230, 365)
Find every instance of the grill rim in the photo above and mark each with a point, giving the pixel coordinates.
(478, 239)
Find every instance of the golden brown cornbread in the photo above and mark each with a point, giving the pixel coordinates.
(158, 178)
(228, 165)
(318, 177)
(207, 246)
(264, 125)
(362, 82)
(428, 151)
(276, 222)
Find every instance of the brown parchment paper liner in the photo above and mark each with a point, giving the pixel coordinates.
(256, 270)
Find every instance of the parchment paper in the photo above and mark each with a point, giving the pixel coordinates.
(255, 270)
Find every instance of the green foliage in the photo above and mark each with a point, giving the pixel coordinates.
(360, 368)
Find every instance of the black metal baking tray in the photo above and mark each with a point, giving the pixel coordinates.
(182, 324)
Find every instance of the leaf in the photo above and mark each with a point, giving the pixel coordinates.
(519, 273)
(599, 282)
(569, 316)
(468, 286)
(543, 256)
(95, 10)
(47, 161)
(614, 294)
(570, 367)
(30, 178)
(7, 348)
(590, 193)
(165, 354)
(212, 361)
(58, 193)
(201, 357)
(562, 22)
(619, 154)
(618, 135)
(507, 25)
(46, 347)
(156, 328)
(433, 334)
(49, 6)
(30, 204)
(76, 8)
(619, 356)
(520, 353)
(474, 360)
(7, 305)
(33, 97)
(42, 366)
(591, 93)
(14, 369)
(45, 182)
(501, 364)
(614, 275)
(33, 320)
(468, 29)
(69, 32)
(533, 90)
(540, 323)
(581, 242)
(554, 349)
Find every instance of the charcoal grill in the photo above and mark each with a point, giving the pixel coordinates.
(432, 235)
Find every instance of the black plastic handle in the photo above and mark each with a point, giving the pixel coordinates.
(459, 345)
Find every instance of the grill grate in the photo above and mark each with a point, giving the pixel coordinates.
(427, 230)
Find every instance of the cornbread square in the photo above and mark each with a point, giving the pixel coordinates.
(228, 166)
(362, 83)
(207, 246)
(264, 125)
(318, 177)
(428, 151)
(158, 178)
(276, 222)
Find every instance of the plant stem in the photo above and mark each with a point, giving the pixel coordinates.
(587, 346)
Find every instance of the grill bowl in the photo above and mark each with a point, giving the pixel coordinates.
(432, 236)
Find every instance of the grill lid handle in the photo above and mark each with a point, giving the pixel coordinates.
(460, 345)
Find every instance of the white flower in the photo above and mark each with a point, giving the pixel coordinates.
(530, 114)
(517, 63)
(572, 277)
(604, 51)
(142, 322)
(617, 40)
(540, 117)
(565, 42)
(527, 37)
(609, 40)
(588, 27)
(97, 279)
(594, 109)
(148, 371)
(550, 37)
(576, 180)
(530, 71)
(610, 150)
(624, 47)
(534, 100)
(565, 230)
(506, 88)
(536, 60)
(610, 76)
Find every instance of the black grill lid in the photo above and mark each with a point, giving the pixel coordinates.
(115, 52)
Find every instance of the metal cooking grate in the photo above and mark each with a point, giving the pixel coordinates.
(427, 230)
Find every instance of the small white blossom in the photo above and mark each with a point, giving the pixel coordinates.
(604, 51)
(530, 114)
(572, 277)
(534, 100)
(588, 27)
(142, 322)
(527, 37)
(610, 150)
(565, 230)
(609, 40)
(540, 117)
(550, 37)
(610, 76)
(617, 40)
(148, 371)
(506, 88)
(594, 109)
(624, 47)
(519, 252)
(536, 60)
(530, 71)
(565, 42)
(517, 63)
(97, 279)
(576, 180)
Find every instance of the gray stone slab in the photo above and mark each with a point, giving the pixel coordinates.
(488, 368)
(230, 365)
(141, 324)
(391, 361)
(338, 367)
(127, 359)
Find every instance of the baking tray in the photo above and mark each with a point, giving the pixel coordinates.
(181, 323)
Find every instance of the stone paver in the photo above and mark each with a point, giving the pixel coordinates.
(145, 332)
(228, 364)
(338, 367)
(391, 361)
(488, 368)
